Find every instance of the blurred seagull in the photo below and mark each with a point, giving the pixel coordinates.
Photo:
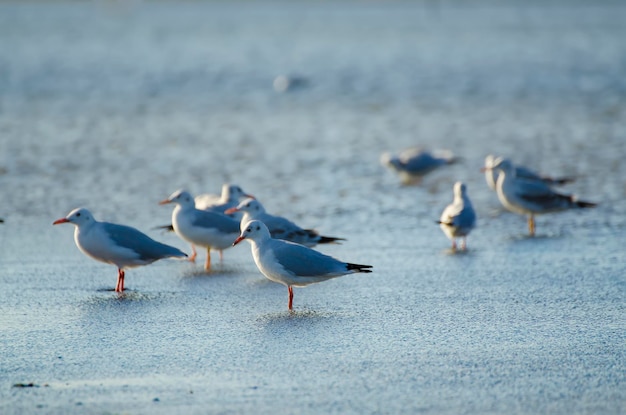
(198, 227)
(491, 174)
(458, 218)
(292, 265)
(279, 227)
(230, 197)
(530, 197)
(414, 163)
(120, 245)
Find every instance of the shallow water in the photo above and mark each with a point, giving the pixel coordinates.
(114, 108)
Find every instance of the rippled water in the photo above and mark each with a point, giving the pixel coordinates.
(115, 107)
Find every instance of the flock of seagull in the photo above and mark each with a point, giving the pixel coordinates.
(282, 251)
(519, 189)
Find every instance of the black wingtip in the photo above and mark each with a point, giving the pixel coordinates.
(167, 228)
(583, 204)
(358, 267)
(330, 240)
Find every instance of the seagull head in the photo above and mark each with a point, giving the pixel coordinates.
(76, 217)
(233, 193)
(179, 197)
(249, 205)
(504, 165)
(255, 230)
(460, 189)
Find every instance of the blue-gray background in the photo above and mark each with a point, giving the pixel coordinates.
(114, 105)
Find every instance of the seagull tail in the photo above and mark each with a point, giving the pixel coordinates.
(358, 268)
(329, 240)
(583, 204)
(166, 228)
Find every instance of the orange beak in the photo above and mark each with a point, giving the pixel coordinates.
(58, 221)
(250, 196)
(231, 210)
(165, 202)
(241, 238)
(484, 169)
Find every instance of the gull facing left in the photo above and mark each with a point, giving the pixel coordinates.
(458, 218)
(531, 197)
(210, 230)
(120, 245)
(291, 264)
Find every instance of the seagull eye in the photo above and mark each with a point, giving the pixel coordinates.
(78, 214)
(249, 230)
(258, 228)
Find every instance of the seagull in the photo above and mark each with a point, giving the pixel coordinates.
(290, 264)
(230, 197)
(120, 245)
(279, 227)
(491, 174)
(458, 218)
(198, 227)
(530, 197)
(414, 163)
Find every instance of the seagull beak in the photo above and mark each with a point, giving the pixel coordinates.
(62, 220)
(241, 238)
(165, 202)
(250, 196)
(484, 169)
(231, 210)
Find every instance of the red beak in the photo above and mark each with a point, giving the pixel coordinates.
(484, 169)
(165, 202)
(231, 210)
(241, 238)
(62, 220)
(250, 196)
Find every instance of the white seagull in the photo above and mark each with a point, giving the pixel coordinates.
(458, 218)
(120, 245)
(530, 197)
(414, 163)
(199, 227)
(491, 174)
(279, 227)
(230, 197)
(290, 264)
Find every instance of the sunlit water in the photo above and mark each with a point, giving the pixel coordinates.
(115, 107)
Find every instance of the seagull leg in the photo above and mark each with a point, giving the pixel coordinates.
(194, 254)
(531, 225)
(454, 244)
(464, 244)
(120, 281)
(290, 288)
(221, 251)
(207, 264)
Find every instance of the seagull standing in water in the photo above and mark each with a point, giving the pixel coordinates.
(198, 227)
(290, 264)
(530, 197)
(279, 227)
(458, 218)
(120, 245)
(414, 163)
(491, 174)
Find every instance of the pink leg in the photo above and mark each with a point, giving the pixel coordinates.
(194, 254)
(464, 243)
(290, 297)
(454, 244)
(207, 264)
(221, 255)
(120, 281)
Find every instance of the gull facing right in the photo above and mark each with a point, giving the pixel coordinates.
(290, 264)
(530, 197)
